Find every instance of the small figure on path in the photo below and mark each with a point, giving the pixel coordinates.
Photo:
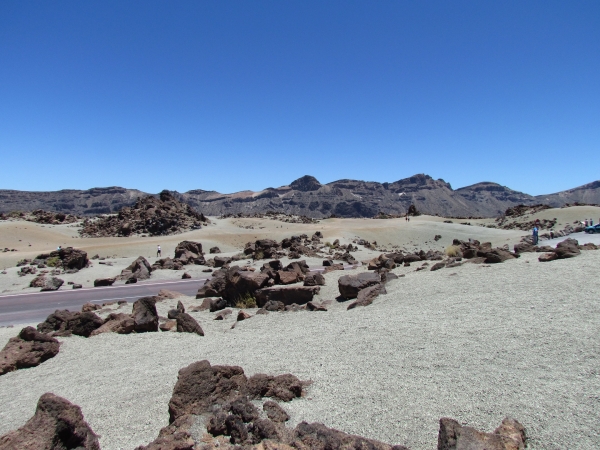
(535, 235)
(158, 252)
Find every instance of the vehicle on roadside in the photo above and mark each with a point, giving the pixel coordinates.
(593, 229)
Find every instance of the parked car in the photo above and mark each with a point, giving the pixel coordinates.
(593, 229)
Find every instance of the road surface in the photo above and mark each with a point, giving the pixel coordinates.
(36, 306)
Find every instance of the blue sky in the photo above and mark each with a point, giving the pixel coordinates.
(234, 95)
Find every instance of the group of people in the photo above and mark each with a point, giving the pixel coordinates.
(588, 222)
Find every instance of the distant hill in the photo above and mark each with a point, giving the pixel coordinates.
(307, 196)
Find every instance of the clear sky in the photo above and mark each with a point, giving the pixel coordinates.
(233, 95)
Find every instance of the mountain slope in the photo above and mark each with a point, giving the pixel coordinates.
(307, 196)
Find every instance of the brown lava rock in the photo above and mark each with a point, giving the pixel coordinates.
(57, 424)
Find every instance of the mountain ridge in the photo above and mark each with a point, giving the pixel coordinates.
(307, 196)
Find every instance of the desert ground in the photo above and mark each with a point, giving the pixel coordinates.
(475, 342)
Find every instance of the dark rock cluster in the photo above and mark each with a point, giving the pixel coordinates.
(150, 215)
(243, 287)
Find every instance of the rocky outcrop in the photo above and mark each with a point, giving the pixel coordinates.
(29, 349)
(149, 215)
(64, 322)
(66, 258)
(57, 424)
(510, 435)
(286, 295)
(569, 248)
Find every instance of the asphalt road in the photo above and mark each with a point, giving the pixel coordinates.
(36, 306)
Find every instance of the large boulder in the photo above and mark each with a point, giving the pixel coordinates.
(72, 258)
(29, 349)
(46, 283)
(201, 386)
(64, 322)
(350, 285)
(99, 282)
(286, 294)
(57, 424)
(144, 314)
(568, 248)
(139, 269)
(510, 435)
(497, 255)
(240, 283)
(189, 252)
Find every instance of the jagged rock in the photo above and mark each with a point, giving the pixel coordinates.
(144, 314)
(29, 349)
(510, 435)
(215, 250)
(275, 412)
(57, 424)
(286, 294)
(139, 269)
(119, 323)
(186, 276)
(350, 285)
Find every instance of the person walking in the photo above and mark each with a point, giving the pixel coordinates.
(158, 251)
(535, 235)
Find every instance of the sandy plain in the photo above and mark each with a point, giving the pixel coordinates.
(474, 343)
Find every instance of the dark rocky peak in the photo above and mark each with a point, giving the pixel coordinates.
(305, 184)
(485, 186)
(593, 185)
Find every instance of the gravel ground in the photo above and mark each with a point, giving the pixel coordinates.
(474, 343)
